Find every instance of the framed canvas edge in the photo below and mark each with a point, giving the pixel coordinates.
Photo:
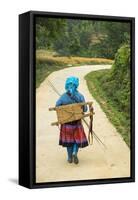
(31, 139)
(24, 131)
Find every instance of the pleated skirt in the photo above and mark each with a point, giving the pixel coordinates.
(71, 133)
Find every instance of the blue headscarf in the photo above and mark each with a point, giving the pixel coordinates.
(71, 85)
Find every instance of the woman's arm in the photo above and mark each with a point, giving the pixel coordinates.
(59, 102)
(85, 106)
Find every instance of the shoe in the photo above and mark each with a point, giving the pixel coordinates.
(75, 159)
(70, 160)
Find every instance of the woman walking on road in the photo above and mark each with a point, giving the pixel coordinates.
(72, 135)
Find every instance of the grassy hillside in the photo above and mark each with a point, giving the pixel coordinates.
(111, 88)
(47, 62)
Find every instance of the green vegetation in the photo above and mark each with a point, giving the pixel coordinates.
(47, 31)
(111, 88)
(83, 38)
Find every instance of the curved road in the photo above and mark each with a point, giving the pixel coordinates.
(95, 161)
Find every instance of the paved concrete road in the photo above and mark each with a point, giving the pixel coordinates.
(95, 161)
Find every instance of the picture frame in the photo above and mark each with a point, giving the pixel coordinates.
(27, 100)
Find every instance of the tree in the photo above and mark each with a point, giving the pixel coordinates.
(117, 33)
(48, 30)
(87, 38)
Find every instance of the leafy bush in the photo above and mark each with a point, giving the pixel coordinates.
(121, 74)
(111, 88)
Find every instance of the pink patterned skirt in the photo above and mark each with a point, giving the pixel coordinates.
(71, 133)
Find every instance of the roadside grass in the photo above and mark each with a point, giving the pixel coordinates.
(119, 118)
(47, 62)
